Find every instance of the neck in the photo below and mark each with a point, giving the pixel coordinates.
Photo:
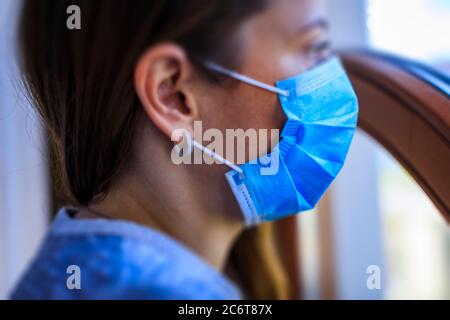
(179, 209)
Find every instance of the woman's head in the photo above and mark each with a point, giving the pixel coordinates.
(112, 93)
(138, 64)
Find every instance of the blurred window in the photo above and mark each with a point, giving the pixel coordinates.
(417, 29)
(417, 239)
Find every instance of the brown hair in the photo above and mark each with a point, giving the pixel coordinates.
(83, 79)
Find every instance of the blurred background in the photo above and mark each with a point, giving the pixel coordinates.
(374, 215)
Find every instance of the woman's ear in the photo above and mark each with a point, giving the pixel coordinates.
(162, 80)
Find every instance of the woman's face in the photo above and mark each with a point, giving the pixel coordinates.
(284, 40)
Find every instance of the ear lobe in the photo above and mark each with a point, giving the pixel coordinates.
(162, 78)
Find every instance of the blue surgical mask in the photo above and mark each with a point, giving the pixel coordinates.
(322, 112)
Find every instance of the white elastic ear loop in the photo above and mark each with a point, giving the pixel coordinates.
(190, 143)
(248, 80)
(217, 157)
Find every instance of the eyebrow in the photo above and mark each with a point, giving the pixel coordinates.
(321, 23)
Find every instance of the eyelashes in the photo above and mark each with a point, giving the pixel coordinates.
(321, 48)
(319, 51)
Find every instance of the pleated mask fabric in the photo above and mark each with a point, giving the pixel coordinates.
(322, 112)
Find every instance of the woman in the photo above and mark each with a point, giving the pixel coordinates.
(117, 94)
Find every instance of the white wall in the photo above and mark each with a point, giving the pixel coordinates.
(356, 220)
(24, 203)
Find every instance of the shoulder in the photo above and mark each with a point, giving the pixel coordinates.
(115, 266)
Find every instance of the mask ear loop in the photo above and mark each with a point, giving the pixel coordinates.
(191, 143)
(217, 68)
(217, 157)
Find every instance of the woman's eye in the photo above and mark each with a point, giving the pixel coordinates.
(320, 50)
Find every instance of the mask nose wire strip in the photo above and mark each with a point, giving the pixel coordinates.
(248, 80)
(214, 155)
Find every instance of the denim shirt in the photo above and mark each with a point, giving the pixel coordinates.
(113, 259)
